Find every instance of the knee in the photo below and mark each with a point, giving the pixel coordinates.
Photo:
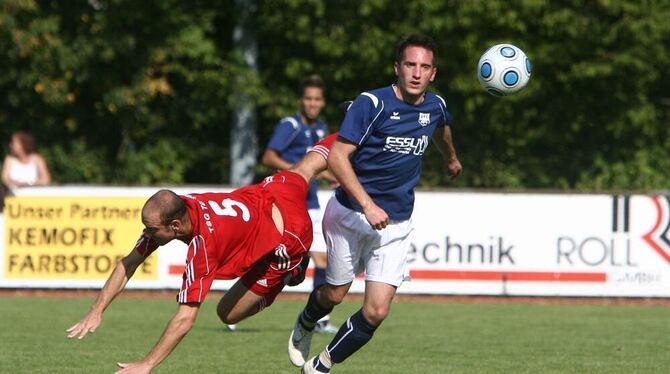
(332, 295)
(375, 314)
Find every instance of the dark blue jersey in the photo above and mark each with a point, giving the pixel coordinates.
(292, 139)
(392, 137)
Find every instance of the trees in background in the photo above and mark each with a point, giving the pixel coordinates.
(142, 92)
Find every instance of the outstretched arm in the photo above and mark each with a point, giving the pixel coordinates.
(443, 141)
(314, 163)
(340, 165)
(176, 329)
(115, 284)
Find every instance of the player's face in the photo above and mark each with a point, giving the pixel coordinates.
(312, 102)
(155, 230)
(415, 71)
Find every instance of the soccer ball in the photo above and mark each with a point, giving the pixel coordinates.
(503, 69)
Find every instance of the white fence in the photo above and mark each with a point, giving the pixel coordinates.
(464, 243)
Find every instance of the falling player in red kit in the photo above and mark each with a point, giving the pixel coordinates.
(260, 233)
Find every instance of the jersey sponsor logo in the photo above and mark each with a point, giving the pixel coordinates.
(395, 115)
(416, 146)
(424, 119)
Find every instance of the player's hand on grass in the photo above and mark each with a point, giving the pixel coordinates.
(376, 216)
(133, 368)
(454, 167)
(89, 323)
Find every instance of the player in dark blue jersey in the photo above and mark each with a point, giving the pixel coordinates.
(292, 138)
(367, 224)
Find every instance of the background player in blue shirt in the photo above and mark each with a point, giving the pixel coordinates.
(367, 224)
(292, 138)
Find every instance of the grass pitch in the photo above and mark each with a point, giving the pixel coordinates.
(418, 337)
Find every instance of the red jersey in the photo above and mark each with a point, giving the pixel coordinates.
(232, 231)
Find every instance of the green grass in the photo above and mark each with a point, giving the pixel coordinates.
(418, 337)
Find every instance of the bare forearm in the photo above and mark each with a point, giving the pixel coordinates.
(448, 152)
(174, 332)
(444, 143)
(442, 139)
(340, 166)
(114, 285)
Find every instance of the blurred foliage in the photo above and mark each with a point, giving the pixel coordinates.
(141, 92)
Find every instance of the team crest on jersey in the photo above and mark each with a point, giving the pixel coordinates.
(424, 119)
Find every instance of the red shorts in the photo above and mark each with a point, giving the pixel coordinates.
(266, 276)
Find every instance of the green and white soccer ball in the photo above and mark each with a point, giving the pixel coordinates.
(503, 70)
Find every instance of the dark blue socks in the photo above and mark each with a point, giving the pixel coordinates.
(312, 312)
(319, 277)
(353, 334)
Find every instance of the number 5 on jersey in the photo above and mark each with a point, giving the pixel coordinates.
(227, 208)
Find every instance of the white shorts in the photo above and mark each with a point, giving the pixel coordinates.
(318, 243)
(354, 246)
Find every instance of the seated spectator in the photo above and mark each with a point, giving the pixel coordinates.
(24, 166)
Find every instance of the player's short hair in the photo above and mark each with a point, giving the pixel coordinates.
(173, 211)
(27, 141)
(169, 205)
(313, 80)
(416, 40)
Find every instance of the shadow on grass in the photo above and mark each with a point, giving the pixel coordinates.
(243, 330)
